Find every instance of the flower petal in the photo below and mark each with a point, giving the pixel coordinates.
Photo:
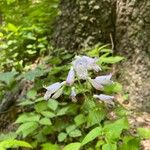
(80, 66)
(58, 93)
(54, 87)
(105, 98)
(91, 63)
(95, 84)
(47, 95)
(104, 79)
(70, 77)
(73, 94)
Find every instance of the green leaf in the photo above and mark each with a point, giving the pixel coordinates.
(31, 94)
(52, 104)
(75, 133)
(62, 111)
(73, 146)
(113, 130)
(144, 133)
(12, 27)
(113, 88)
(95, 116)
(45, 121)
(32, 74)
(94, 133)
(50, 146)
(6, 136)
(62, 136)
(14, 144)
(27, 128)
(94, 52)
(111, 60)
(109, 146)
(48, 114)
(70, 128)
(130, 142)
(27, 117)
(80, 119)
(26, 102)
(41, 106)
(7, 77)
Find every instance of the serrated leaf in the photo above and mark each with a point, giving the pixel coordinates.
(130, 142)
(62, 136)
(95, 116)
(94, 133)
(27, 117)
(113, 130)
(41, 106)
(144, 133)
(45, 121)
(14, 144)
(27, 128)
(62, 111)
(113, 88)
(48, 114)
(52, 104)
(72, 146)
(80, 119)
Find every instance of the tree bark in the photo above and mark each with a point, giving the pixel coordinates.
(133, 41)
(84, 23)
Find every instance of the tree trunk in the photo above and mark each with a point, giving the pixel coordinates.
(133, 41)
(84, 23)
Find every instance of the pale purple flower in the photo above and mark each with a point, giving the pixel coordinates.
(52, 89)
(71, 77)
(104, 79)
(80, 66)
(91, 63)
(73, 94)
(47, 95)
(105, 98)
(58, 93)
(95, 84)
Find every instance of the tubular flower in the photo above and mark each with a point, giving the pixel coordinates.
(73, 94)
(70, 77)
(95, 84)
(105, 98)
(91, 63)
(52, 89)
(58, 93)
(104, 79)
(80, 66)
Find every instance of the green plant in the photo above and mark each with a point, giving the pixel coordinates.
(76, 119)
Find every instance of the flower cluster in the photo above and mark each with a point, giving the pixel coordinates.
(79, 70)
